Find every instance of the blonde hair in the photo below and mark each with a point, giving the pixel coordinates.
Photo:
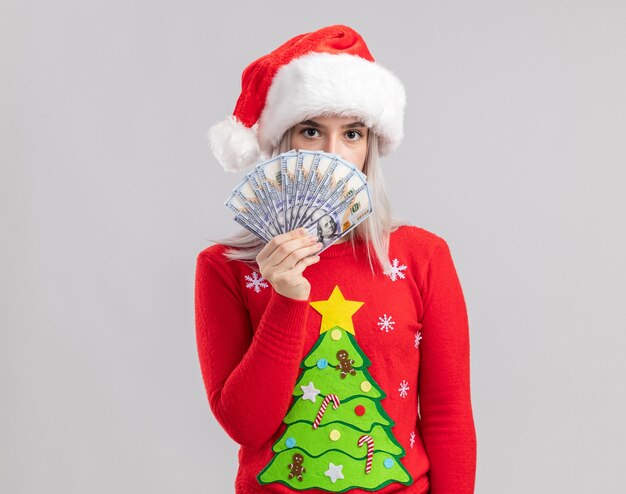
(374, 230)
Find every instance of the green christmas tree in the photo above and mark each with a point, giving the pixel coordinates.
(338, 435)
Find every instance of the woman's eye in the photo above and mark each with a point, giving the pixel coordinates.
(353, 135)
(310, 132)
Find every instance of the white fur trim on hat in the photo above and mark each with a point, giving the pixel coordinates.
(322, 84)
(234, 145)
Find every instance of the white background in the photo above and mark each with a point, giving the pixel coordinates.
(514, 153)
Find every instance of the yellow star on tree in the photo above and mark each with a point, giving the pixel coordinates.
(336, 311)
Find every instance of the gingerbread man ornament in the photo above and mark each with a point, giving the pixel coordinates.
(345, 364)
(296, 467)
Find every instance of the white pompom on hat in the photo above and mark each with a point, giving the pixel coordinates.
(326, 72)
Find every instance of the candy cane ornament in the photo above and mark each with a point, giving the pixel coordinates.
(370, 451)
(325, 402)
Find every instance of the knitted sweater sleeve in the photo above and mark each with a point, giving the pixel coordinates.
(445, 407)
(248, 375)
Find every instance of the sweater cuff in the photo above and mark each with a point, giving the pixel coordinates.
(281, 330)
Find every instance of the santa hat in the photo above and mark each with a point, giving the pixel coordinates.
(326, 72)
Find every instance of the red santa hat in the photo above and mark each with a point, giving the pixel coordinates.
(326, 72)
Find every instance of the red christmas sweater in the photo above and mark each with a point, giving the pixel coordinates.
(411, 323)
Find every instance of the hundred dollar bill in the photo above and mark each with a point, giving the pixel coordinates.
(249, 203)
(332, 223)
(264, 201)
(326, 184)
(270, 175)
(244, 214)
(288, 163)
(309, 180)
(246, 224)
(319, 178)
(245, 218)
(343, 177)
(307, 161)
(303, 166)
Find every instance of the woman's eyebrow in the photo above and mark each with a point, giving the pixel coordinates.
(354, 125)
(313, 123)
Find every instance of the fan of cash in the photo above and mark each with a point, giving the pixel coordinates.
(318, 191)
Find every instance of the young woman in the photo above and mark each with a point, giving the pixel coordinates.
(375, 325)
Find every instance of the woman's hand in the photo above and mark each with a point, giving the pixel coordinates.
(283, 260)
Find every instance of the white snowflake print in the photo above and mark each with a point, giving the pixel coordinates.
(386, 323)
(412, 439)
(418, 338)
(256, 282)
(396, 270)
(404, 389)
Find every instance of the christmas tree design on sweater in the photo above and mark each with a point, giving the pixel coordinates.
(338, 435)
